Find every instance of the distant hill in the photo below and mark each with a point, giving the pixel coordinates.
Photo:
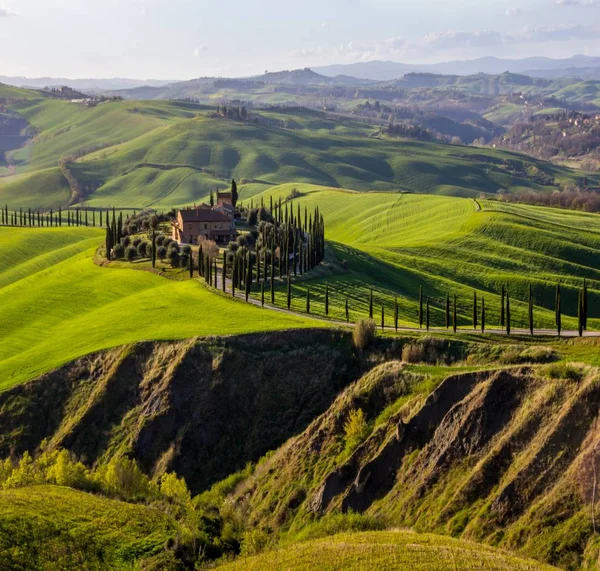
(90, 84)
(387, 70)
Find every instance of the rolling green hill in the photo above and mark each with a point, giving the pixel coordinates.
(398, 243)
(58, 305)
(400, 550)
(167, 153)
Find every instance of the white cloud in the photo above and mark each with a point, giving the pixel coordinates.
(325, 25)
(512, 12)
(6, 13)
(200, 50)
(454, 39)
(553, 34)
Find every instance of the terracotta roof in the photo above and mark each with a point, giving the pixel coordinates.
(204, 214)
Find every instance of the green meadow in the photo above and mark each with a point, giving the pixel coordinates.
(397, 243)
(58, 305)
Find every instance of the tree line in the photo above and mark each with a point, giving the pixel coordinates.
(35, 218)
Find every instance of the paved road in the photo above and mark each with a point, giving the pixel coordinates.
(239, 294)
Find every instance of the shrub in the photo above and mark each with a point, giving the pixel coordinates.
(233, 246)
(167, 242)
(569, 371)
(173, 246)
(254, 541)
(183, 260)
(132, 228)
(363, 334)
(130, 253)
(160, 239)
(142, 249)
(186, 249)
(119, 251)
(355, 428)
(173, 256)
(125, 241)
(175, 488)
(335, 523)
(427, 350)
(161, 252)
(252, 216)
(136, 242)
(242, 241)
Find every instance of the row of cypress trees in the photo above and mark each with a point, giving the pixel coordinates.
(54, 218)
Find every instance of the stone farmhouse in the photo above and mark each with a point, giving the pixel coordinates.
(211, 222)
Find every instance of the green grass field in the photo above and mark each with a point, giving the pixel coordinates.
(134, 154)
(396, 243)
(393, 550)
(51, 527)
(58, 305)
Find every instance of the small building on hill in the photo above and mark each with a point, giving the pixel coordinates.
(211, 222)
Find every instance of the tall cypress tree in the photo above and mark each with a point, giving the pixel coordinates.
(474, 309)
(382, 317)
(454, 324)
(420, 306)
(371, 303)
(447, 310)
(483, 314)
(396, 314)
(585, 304)
(502, 318)
(347, 311)
(507, 313)
(224, 272)
(557, 310)
(580, 313)
(154, 249)
(427, 316)
(530, 310)
(289, 292)
(190, 263)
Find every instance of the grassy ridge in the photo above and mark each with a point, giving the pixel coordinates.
(51, 527)
(397, 243)
(59, 305)
(386, 550)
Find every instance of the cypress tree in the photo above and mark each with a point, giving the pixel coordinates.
(215, 262)
(420, 306)
(585, 304)
(224, 272)
(507, 313)
(108, 244)
(454, 324)
(530, 310)
(60, 217)
(474, 309)
(347, 311)
(396, 314)
(371, 303)
(289, 292)
(190, 262)
(262, 294)
(483, 314)
(233, 274)
(308, 300)
(427, 316)
(154, 249)
(502, 318)
(94, 218)
(580, 313)
(200, 262)
(327, 299)
(557, 310)
(382, 317)
(447, 310)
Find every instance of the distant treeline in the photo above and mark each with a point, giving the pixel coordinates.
(584, 200)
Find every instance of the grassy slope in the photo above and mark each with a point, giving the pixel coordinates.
(396, 243)
(50, 527)
(386, 550)
(166, 153)
(59, 305)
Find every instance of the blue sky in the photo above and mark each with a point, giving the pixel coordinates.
(181, 39)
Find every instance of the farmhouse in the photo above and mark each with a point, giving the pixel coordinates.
(212, 222)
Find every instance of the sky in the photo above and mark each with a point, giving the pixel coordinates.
(184, 39)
